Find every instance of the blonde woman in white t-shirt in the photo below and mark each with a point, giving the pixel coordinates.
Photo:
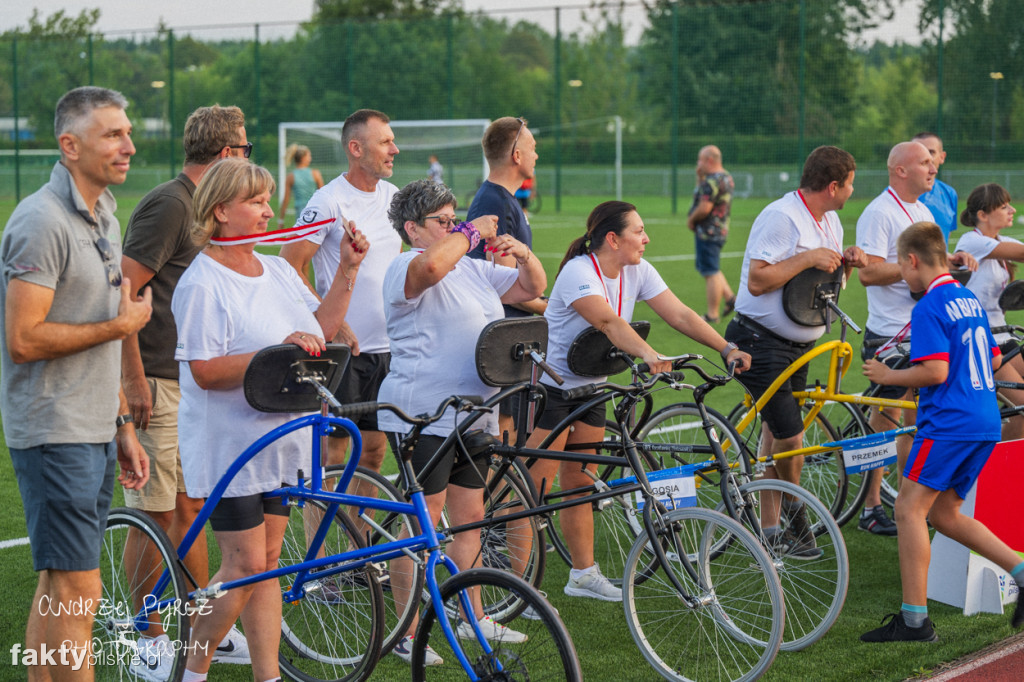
(229, 303)
(989, 212)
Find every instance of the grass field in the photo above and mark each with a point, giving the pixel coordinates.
(606, 650)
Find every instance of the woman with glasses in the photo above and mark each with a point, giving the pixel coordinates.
(436, 303)
(231, 302)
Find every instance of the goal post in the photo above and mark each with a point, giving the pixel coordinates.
(456, 143)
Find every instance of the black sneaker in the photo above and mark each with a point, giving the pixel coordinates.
(877, 522)
(787, 545)
(1018, 611)
(895, 630)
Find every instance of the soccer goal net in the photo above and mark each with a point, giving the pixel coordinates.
(455, 143)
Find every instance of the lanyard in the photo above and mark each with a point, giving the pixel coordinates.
(830, 233)
(899, 203)
(275, 237)
(622, 282)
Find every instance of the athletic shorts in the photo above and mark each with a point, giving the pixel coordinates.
(245, 512)
(770, 356)
(473, 477)
(708, 257)
(888, 392)
(361, 383)
(558, 408)
(160, 441)
(66, 490)
(946, 464)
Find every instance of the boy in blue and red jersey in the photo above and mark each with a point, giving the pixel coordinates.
(953, 355)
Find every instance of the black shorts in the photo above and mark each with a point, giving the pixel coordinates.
(361, 383)
(888, 392)
(473, 477)
(245, 512)
(770, 356)
(558, 408)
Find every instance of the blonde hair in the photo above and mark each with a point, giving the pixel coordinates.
(295, 152)
(226, 180)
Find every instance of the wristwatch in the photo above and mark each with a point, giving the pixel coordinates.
(123, 419)
(729, 347)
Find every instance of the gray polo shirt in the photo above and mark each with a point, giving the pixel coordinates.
(50, 241)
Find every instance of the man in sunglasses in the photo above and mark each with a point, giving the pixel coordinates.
(511, 153)
(66, 308)
(157, 249)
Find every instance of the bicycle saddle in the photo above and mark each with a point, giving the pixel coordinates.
(590, 354)
(1012, 297)
(272, 379)
(803, 297)
(503, 349)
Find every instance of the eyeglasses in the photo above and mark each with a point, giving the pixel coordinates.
(247, 148)
(443, 220)
(106, 252)
(522, 124)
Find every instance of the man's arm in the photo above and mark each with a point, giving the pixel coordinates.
(299, 255)
(133, 374)
(701, 211)
(879, 273)
(765, 277)
(31, 338)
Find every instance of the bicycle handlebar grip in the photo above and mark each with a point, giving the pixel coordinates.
(580, 392)
(356, 409)
(550, 371)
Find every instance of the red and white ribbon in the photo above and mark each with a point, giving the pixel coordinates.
(288, 234)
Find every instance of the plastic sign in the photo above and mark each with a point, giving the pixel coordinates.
(869, 452)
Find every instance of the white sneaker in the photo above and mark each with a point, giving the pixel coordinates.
(492, 632)
(593, 585)
(233, 649)
(153, 660)
(530, 614)
(404, 651)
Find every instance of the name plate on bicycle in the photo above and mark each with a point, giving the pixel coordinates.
(870, 452)
(675, 488)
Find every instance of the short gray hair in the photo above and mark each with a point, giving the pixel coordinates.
(77, 104)
(417, 200)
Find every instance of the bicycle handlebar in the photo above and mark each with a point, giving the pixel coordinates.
(538, 360)
(460, 403)
(684, 362)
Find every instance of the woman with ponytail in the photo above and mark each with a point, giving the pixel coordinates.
(301, 182)
(600, 280)
(989, 212)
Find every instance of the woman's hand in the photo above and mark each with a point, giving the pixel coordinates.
(507, 245)
(307, 341)
(486, 225)
(354, 246)
(657, 365)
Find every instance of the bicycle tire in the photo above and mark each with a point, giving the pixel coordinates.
(547, 654)
(524, 555)
(335, 631)
(815, 589)
(848, 421)
(374, 484)
(681, 424)
(734, 626)
(615, 522)
(115, 632)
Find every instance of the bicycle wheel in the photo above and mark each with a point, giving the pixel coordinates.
(519, 546)
(369, 483)
(728, 622)
(615, 522)
(546, 654)
(847, 421)
(815, 589)
(681, 424)
(134, 555)
(334, 632)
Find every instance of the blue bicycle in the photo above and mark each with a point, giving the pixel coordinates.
(333, 601)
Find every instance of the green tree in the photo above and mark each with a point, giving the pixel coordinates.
(335, 10)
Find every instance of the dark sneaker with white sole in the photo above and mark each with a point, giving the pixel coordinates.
(895, 630)
(877, 522)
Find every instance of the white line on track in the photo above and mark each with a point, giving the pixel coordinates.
(17, 542)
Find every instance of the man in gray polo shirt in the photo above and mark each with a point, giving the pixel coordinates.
(65, 311)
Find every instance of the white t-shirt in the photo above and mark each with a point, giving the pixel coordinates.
(369, 211)
(433, 339)
(221, 312)
(878, 229)
(784, 229)
(990, 279)
(579, 279)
